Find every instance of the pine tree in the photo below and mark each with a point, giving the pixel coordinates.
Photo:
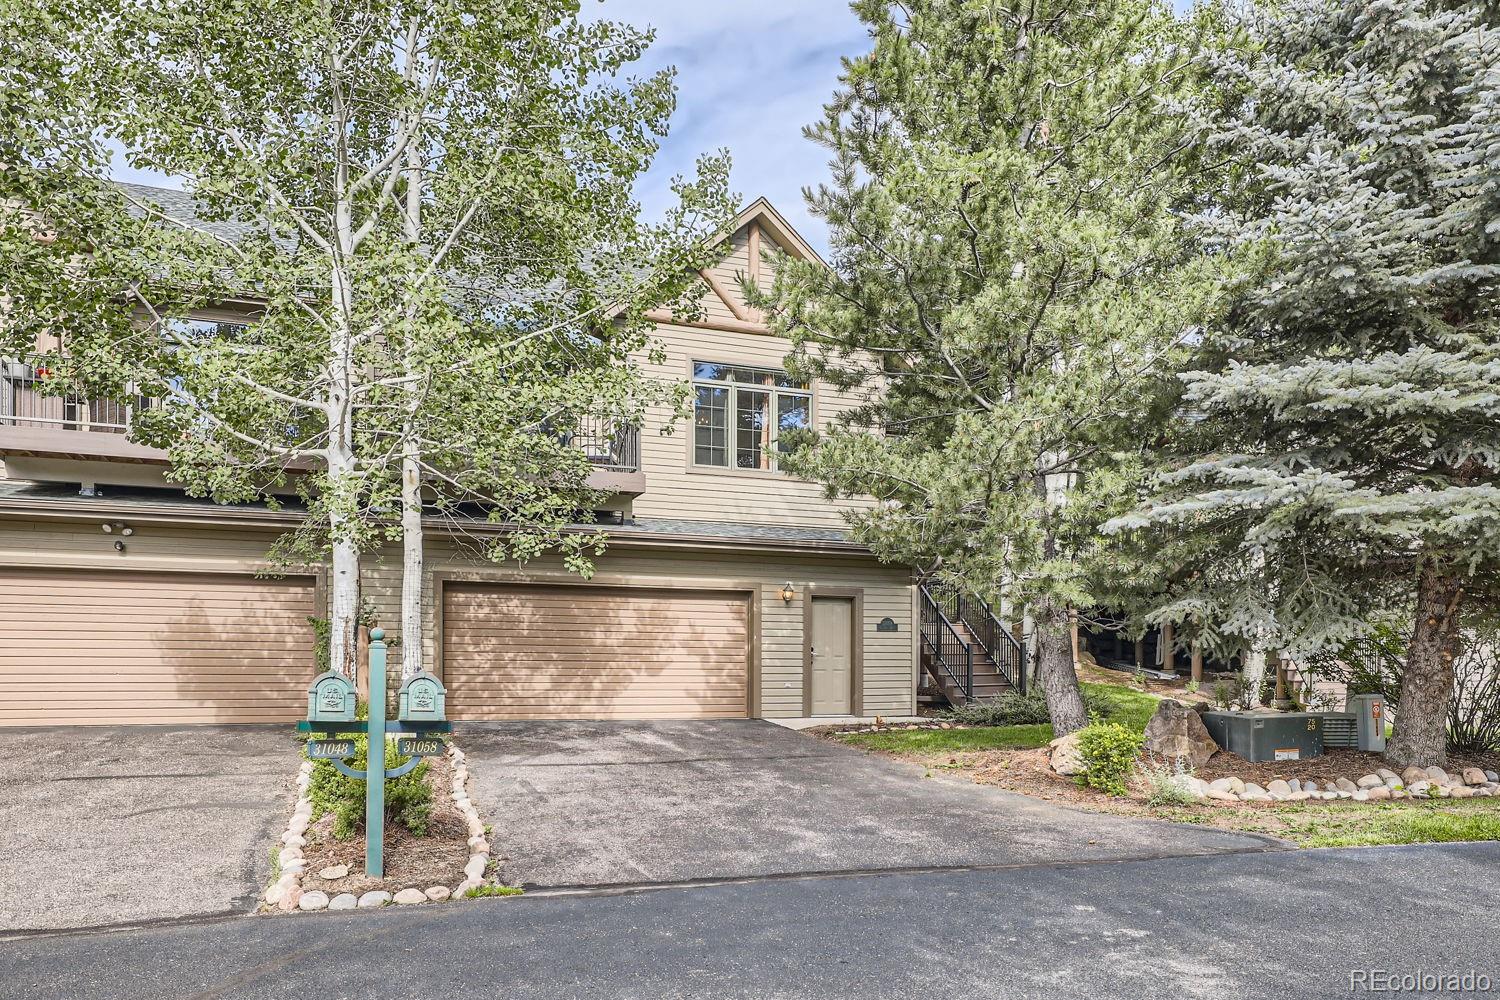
(1347, 451)
(1002, 230)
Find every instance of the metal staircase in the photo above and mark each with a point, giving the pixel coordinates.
(966, 650)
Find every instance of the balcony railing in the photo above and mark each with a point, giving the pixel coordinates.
(608, 445)
(29, 397)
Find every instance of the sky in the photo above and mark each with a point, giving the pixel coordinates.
(750, 76)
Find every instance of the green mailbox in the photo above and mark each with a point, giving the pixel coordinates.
(331, 698)
(423, 699)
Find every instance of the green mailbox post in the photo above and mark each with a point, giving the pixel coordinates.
(330, 710)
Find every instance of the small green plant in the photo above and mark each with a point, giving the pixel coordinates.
(496, 890)
(1165, 785)
(1014, 709)
(408, 799)
(1228, 693)
(1108, 750)
(1193, 686)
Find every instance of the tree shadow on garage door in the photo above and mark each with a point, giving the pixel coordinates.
(592, 652)
(237, 649)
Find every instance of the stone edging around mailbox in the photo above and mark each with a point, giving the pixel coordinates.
(286, 892)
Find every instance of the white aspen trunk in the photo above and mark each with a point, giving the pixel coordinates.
(344, 582)
(1253, 660)
(1255, 673)
(412, 540)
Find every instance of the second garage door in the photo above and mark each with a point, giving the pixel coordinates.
(531, 652)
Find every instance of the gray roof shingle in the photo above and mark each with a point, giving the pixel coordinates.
(20, 495)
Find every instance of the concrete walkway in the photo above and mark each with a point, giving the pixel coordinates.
(599, 803)
(102, 825)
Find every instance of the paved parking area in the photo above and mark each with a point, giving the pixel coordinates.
(102, 825)
(600, 803)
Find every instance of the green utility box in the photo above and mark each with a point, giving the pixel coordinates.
(1267, 736)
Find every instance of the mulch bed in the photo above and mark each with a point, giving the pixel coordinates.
(411, 862)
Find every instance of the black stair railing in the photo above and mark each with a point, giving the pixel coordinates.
(976, 616)
(953, 655)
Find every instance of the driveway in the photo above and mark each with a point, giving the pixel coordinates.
(599, 803)
(103, 825)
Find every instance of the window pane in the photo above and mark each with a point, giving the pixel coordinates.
(793, 413)
(709, 371)
(711, 425)
(203, 329)
(752, 429)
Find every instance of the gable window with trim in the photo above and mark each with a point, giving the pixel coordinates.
(740, 413)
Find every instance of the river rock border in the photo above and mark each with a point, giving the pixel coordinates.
(1378, 786)
(286, 893)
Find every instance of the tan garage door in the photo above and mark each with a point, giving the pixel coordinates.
(91, 648)
(593, 653)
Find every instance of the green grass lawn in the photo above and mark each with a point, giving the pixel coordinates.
(1400, 823)
(936, 741)
(1127, 706)
(1351, 824)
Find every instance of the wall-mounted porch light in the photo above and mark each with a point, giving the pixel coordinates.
(788, 592)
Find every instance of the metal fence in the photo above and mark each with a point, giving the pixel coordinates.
(33, 395)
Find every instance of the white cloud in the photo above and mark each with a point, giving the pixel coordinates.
(750, 76)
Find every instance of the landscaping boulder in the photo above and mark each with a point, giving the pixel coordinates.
(1413, 774)
(1066, 758)
(1473, 776)
(1176, 732)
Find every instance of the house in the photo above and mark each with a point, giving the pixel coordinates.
(730, 588)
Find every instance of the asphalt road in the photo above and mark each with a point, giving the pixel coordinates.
(1275, 925)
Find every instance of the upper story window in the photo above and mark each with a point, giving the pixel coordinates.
(740, 413)
(206, 329)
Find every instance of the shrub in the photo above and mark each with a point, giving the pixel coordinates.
(1164, 786)
(1375, 663)
(1014, 709)
(1108, 750)
(408, 799)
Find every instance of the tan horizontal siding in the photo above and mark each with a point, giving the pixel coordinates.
(592, 653)
(889, 665)
(103, 646)
(676, 489)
